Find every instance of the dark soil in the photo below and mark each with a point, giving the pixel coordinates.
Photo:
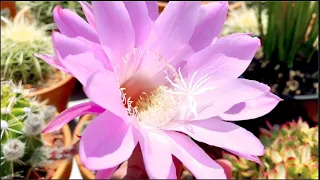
(301, 79)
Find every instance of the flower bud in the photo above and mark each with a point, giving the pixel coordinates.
(13, 149)
(33, 125)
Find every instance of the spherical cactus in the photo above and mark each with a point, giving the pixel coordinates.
(42, 10)
(291, 153)
(22, 121)
(20, 40)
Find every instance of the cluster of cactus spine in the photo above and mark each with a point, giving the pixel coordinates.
(22, 120)
(42, 10)
(20, 40)
(291, 153)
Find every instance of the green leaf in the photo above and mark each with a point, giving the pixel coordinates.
(281, 171)
(305, 153)
(275, 157)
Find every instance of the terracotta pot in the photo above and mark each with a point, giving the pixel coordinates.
(9, 6)
(64, 169)
(85, 173)
(58, 94)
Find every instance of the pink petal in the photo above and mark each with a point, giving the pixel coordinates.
(226, 59)
(69, 114)
(114, 28)
(153, 10)
(140, 19)
(106, 142)
(82, 65)
(102, 88)
(106, 173)
(72, 25)
(87, 9)
(210, 24)
(173, 28)
(53, 61)
(226, 94)
(157, 157)
(246, 156)
(253, 108)
(62, 44)
(194, 158)
(222, 134)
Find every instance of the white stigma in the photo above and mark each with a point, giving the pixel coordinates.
(191, 90)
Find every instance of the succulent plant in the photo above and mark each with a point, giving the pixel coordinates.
(20, 39)
(291, 153)
(244, 20)
(42, 10)
(22, 120)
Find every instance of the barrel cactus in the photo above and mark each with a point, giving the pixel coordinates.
(20, 40)
(291, 153)
(22, 120)
(42, 10)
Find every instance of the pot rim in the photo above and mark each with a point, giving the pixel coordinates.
(52, 87)
(86, 173)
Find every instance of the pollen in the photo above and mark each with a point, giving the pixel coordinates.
(158, 108)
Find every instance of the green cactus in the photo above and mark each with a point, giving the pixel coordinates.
(22, 120)
(20, 40)
(291, 153)
(42, 10)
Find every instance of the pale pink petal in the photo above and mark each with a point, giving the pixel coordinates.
(153, 10)
(193, 157)
(222, 134)
(246, 156)
(102, 88)
(114, 28)
(140, 20)
(87, 9)
(82, 65)
(251, 109)
(226, 59)
(106, 173)
(65, 46)
(72, 25)
(53, 61)
(106, 142)
(210, 24)
(69, 114)
(157, 156)
(216, 101)
(173, 28)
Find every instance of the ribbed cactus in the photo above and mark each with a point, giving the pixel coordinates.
(291, 153)
(22, 120)
(42, 10)
(20, 39)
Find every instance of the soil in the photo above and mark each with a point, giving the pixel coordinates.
(54, 140)
(48, 82)
(301, 79)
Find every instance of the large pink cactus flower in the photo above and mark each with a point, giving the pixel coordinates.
(156, 80)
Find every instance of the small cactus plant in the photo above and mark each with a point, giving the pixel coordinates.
(20, 40)
(42, 10)
(291, 153)
(244, 20)
(22, 120)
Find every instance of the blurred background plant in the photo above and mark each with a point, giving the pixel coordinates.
(243, 19)
(22, 120)
(20, 40)
(292, 30)
(291, 153)
(42, 10)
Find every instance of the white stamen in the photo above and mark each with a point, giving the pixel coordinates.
(4, 125)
